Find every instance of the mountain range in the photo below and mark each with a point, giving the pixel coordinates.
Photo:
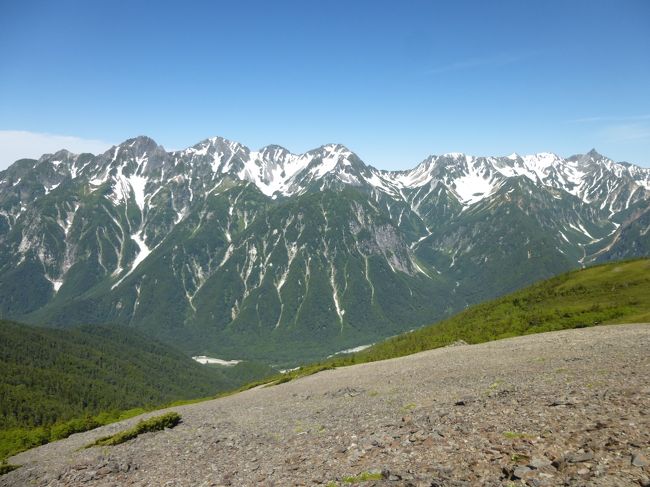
(281, 257)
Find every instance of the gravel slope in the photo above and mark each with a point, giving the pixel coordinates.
(562, 408)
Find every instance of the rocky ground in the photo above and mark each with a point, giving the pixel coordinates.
(564, 408)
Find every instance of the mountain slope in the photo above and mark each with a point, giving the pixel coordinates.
(561, 408)
(289, 257)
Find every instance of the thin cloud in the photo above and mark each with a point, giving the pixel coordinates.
(500, 60)
(626, 132)
(20, 144)
(627, 118)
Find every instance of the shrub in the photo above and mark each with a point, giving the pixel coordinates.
(63, 430)
(157, 423)
(7, 467)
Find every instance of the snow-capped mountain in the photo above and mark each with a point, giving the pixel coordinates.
(244, 253)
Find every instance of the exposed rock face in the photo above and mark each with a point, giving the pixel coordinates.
(564, 408)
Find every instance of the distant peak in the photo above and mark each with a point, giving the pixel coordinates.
(453, 155)
(543, 158)
(138, 145)
(63, 153)
(217, 140)
(139, 140)
(335, 148)
(592, 156)
(274, 148)
(60, 154)
(218, 144)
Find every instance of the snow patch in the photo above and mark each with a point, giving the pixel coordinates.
(137, 184)
(142, 254)
(472, 187)
(360, 348)
(51, 188)
(202, 359)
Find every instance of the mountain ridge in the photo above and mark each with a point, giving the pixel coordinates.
(212, 144)
(242, 252)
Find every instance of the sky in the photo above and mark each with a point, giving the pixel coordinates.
(394, 81)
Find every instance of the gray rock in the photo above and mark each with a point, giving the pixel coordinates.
(579, 457)
(639, 460)
(521, 471)
(539, 462)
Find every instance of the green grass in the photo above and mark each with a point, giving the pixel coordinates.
(519, 458)
(157, 423)
(514, 435)
(363, 477)
(16, 440)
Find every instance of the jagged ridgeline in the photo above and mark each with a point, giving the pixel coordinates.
(282, 257)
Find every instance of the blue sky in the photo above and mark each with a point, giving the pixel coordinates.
(394, 81)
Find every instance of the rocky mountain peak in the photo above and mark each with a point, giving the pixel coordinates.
(228, 246)
(140, 145)
(274, 150)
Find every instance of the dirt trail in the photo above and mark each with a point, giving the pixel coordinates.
(562, 408)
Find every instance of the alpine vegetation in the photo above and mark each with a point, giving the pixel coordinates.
(281, 257)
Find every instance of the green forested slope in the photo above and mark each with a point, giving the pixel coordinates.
(53, 375)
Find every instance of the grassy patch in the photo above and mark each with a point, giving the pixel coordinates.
(16, 440)
(514, 435)
(157, 423)
(363, 477)
(519, 458)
